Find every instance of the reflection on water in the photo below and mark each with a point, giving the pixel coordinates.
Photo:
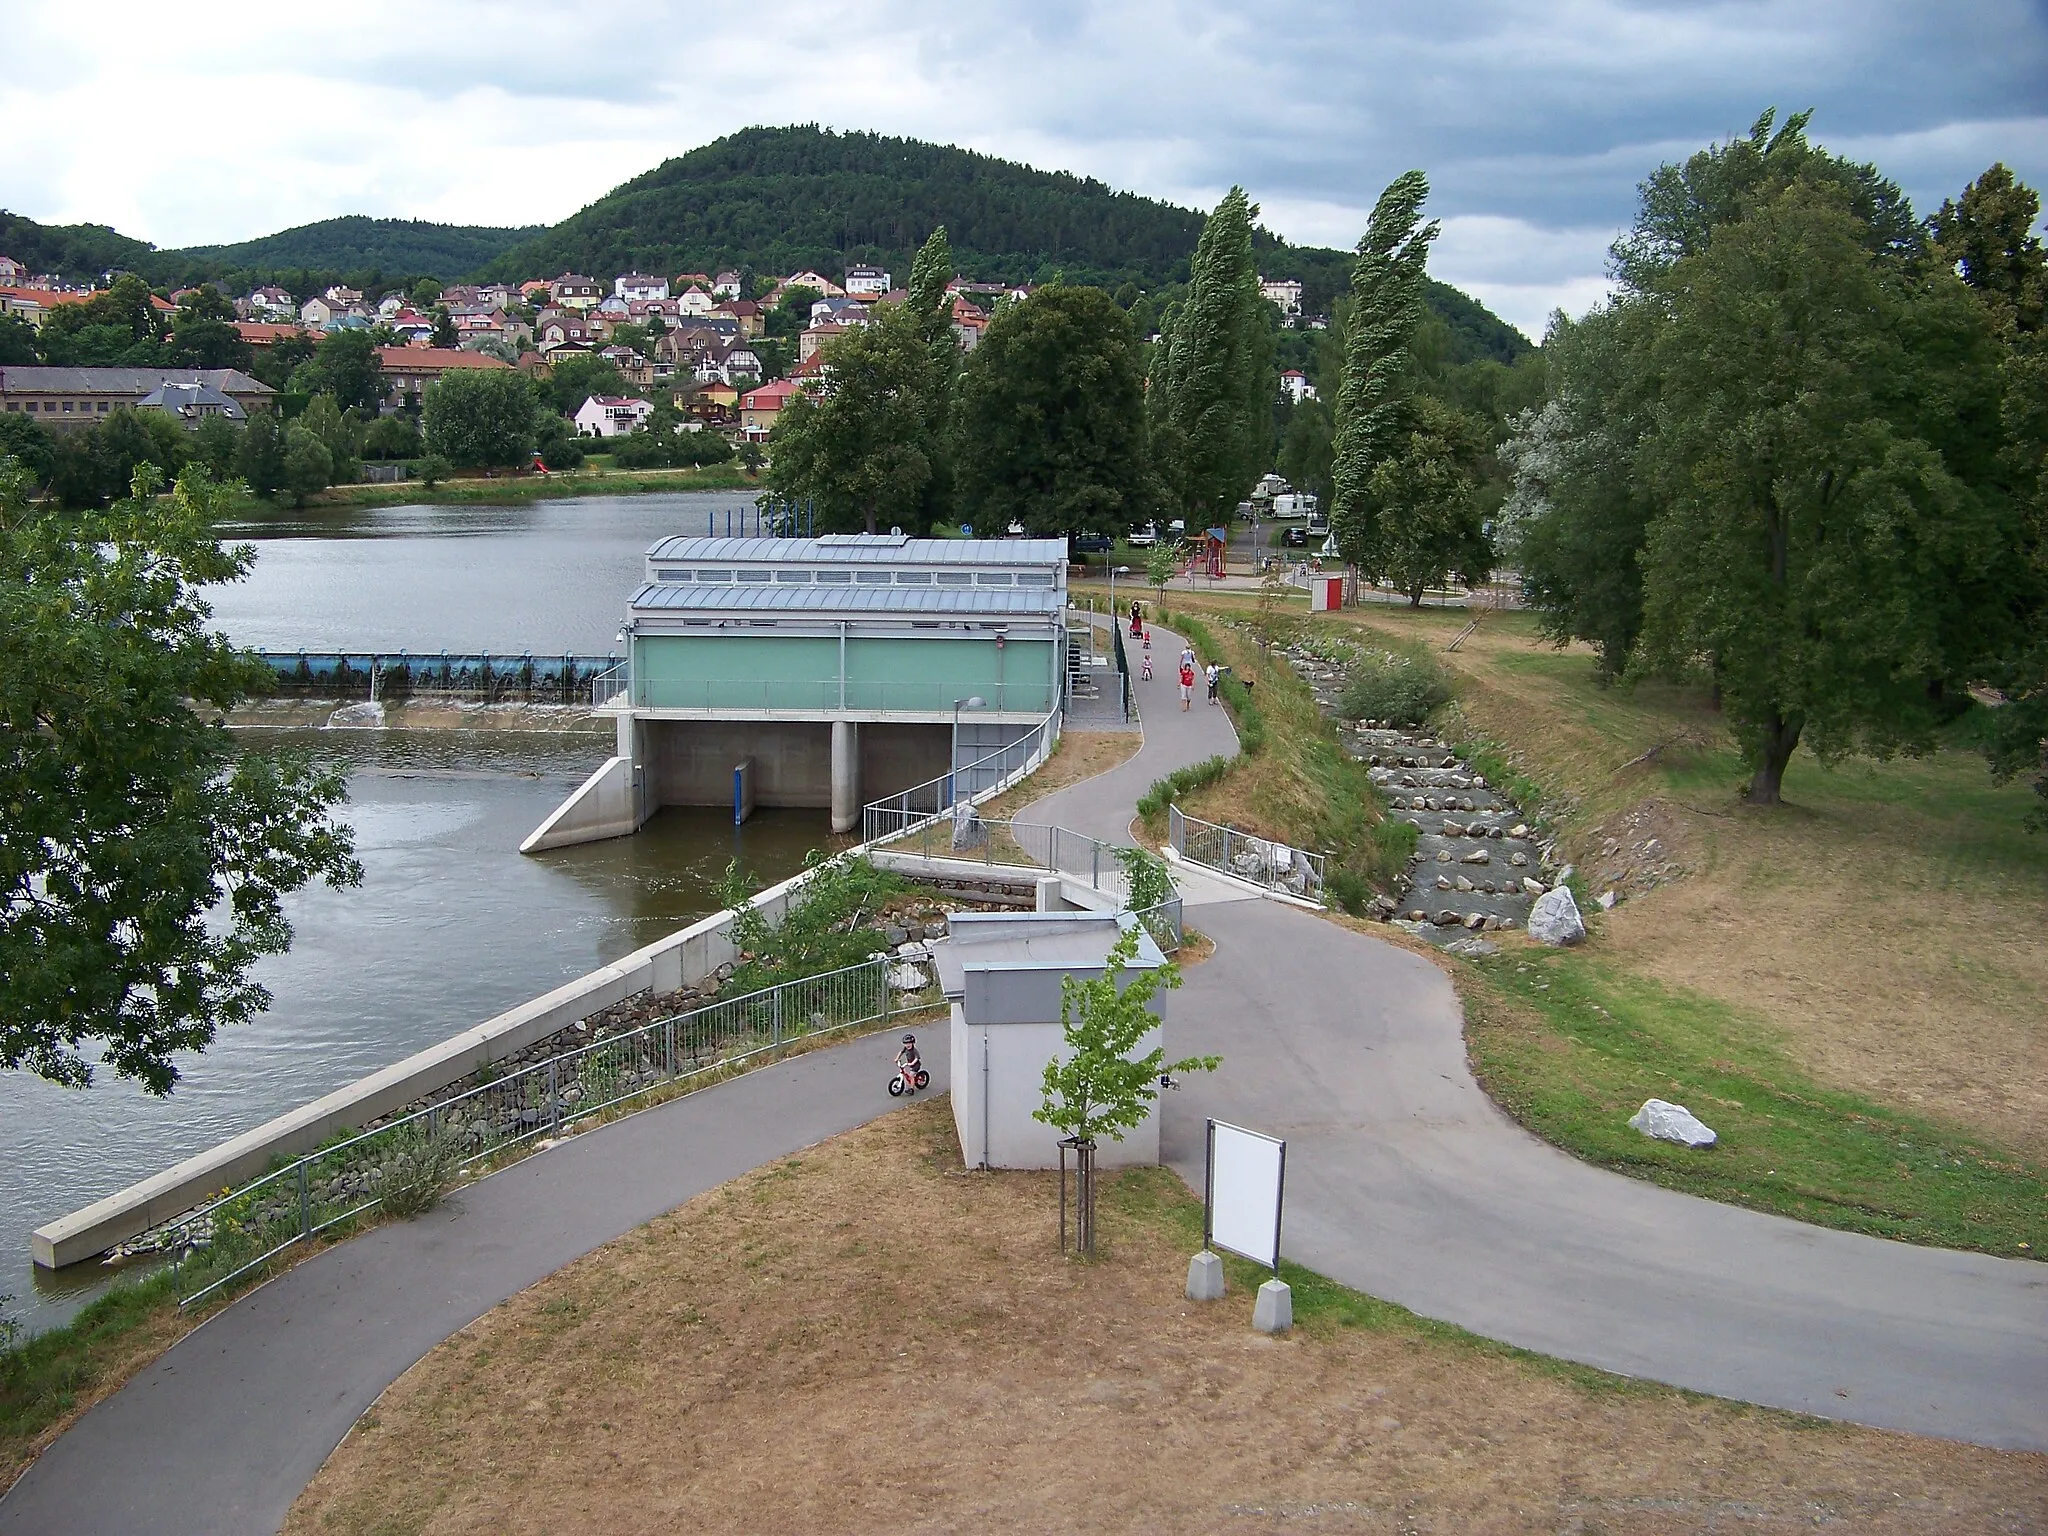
(450, 926)
(550, 577)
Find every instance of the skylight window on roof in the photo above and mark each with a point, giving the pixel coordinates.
(1034, 578)
(913, 578)
(840, 578)
(955, 579)
(992, 578)
(672, 576)
(714, 575)
(756, 577)
(793, 578)
(872, 578)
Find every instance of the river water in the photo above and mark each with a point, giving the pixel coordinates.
(451, 923)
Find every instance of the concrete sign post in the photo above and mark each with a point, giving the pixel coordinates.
(1243, 1193)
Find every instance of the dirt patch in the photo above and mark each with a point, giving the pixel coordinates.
(867, 1338)
(1076, 756)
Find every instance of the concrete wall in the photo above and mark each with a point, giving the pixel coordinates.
(606, 806)
(996, 1084)
(690, 762)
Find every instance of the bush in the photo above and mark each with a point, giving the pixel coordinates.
(1401, 690)
(433, 469)
(1181, 781)
(1350, 890)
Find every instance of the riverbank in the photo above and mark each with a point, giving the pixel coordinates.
(512, 489)
(430, 714)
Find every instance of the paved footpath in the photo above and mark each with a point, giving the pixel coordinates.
(224, 1431)
(1404, 1180)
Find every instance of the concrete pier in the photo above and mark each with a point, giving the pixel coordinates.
(845, 775)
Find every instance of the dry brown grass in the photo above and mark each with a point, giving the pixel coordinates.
(867, 1338)
(1887, 920)
(1077, 755)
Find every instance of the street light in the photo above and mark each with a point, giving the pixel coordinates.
(1114, 572)
(974, 701)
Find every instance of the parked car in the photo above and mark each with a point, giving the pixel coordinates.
(1294, 538)
(1091, 543)
(1144, 537)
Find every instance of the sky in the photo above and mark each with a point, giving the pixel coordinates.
(1535, 122)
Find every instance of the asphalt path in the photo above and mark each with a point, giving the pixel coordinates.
(1404, 1180)
(224, 1431)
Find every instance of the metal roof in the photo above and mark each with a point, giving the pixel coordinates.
(665, 597)
(865, 549)
(128, 381)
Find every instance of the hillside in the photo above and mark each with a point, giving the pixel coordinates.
(778, 199)
(75, 252)
(412, 247)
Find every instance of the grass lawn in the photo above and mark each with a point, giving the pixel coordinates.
(869, 1337)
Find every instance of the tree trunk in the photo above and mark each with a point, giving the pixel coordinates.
(1769, 778)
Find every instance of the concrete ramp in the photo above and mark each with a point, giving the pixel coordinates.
(604, 807)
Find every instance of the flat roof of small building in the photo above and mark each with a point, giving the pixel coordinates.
(864, 549)
(1035, 941)
(677, 597)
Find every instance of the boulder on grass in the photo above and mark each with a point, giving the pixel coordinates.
(1672, 1122)
(1555, 918)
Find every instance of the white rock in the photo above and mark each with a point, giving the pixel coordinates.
(1672, 1122)
(1531, 887)
(907, 978)
(1519, 829)
(1607, 901)
(1472, 949)
(1519, 859)
(1555, 918)
(1477, 856)
(1464, 884)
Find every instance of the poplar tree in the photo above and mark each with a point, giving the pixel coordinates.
(1213, 395)
(1386, 308)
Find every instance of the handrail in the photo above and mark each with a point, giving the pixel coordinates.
(987, 776)
(1246, 856)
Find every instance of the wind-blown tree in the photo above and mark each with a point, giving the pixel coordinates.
(1386, 307)
(1213, 385)
(1050, 425)
(144, 855)
(480, 418)
(1828, 540)
(865, 446)
(932, 308)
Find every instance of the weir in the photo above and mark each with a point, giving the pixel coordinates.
(821, 672)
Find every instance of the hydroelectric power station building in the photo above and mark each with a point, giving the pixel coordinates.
(825, 672)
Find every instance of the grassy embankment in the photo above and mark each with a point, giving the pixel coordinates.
(906, 1336)
(1293, 781)
(512, 489)
(1850, 988)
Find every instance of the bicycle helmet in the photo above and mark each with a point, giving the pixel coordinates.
(910, 1039)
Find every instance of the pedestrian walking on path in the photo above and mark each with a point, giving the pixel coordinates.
(1187, 684)
(1215, 675)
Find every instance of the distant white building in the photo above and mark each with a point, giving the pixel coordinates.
(695, 301)
(638, 285)
(611, 415)
(1284, 292)
(866, 281)
(1295, 386)
(726, 286)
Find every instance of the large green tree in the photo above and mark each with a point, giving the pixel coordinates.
(1050, 425)
(345, 365)
(144, 855)
(1424, 495)
(1213, 387)
(864, 449)
(1827, 541)
(574, 379)
(204, 335)
(480, 418)
(1386, 308)
(118, 327)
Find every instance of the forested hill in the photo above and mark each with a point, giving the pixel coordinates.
(779, 199)
(75, 252)
(351, 244)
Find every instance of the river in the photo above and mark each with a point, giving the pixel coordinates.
(451, 923)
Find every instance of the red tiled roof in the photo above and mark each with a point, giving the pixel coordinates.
(402, 358)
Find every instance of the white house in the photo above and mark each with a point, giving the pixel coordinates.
(726, 286)
(611, 415)
(1284, 292)
(1295, 386)
(814, 281)
(865, 282)
(845, 311)
(695, 301)
(639, 285)
(268, 303)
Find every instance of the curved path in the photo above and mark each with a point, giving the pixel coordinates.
(1405, 1181)
(224, 1431)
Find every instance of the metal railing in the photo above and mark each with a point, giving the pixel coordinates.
(998, 843)
(1164, 923)
(986, 775)
(248, 1226)
(826, 695)
(1259, 860)
(610, 684)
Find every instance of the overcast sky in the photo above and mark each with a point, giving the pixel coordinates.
(1534, 121)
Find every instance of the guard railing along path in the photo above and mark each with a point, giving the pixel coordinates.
(1244, 856)
(243, 1230)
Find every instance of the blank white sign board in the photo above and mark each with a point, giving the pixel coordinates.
(1246, 1173)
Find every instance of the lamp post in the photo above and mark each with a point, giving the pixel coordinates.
(975, 701)
(1114, 572)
